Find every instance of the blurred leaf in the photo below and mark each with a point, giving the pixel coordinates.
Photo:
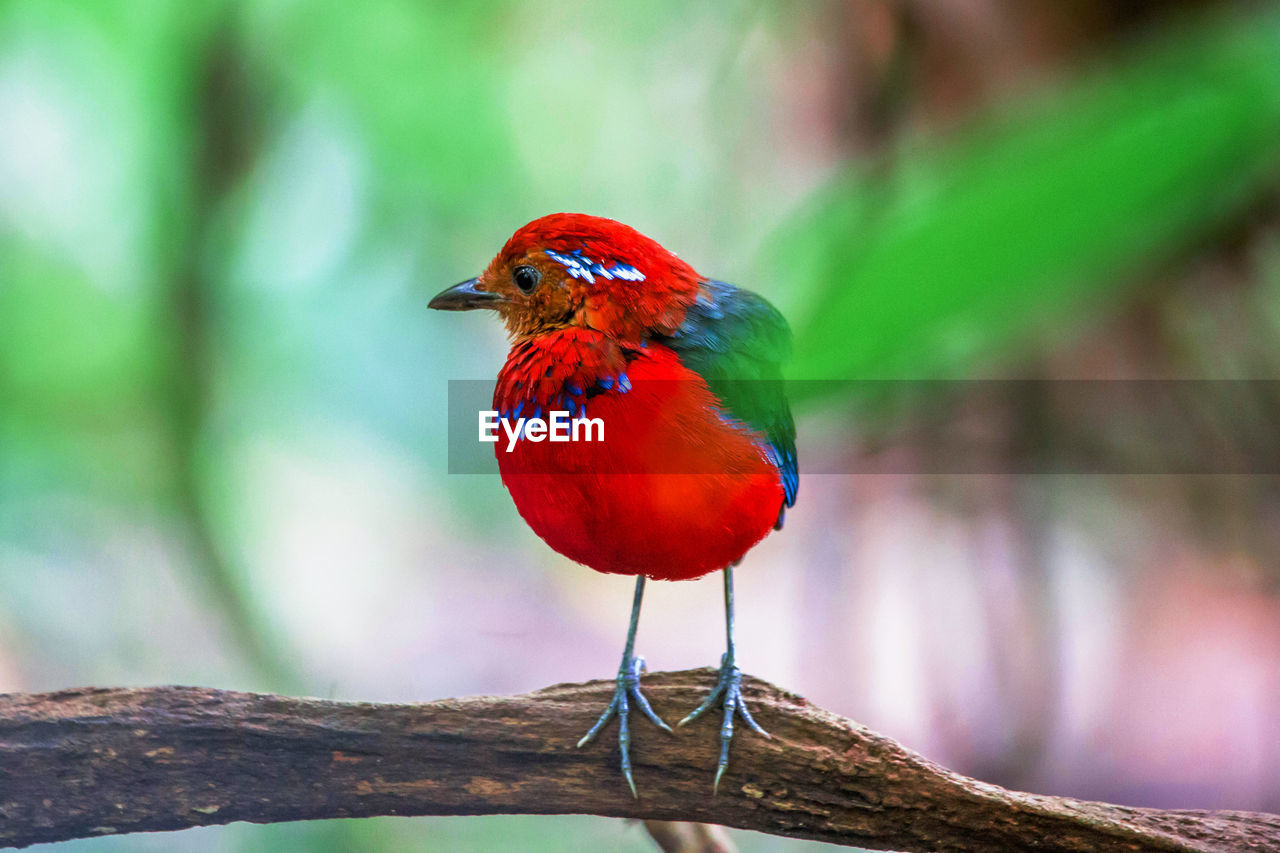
(965, 250)
(75, 366)
(422, 85)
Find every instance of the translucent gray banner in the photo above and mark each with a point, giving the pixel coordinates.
(962, 426)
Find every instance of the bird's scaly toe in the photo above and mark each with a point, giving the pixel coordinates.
(728, 691)
(626, 691)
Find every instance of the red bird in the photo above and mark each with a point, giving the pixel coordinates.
(697, 462)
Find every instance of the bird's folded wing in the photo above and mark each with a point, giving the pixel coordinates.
(737, 342)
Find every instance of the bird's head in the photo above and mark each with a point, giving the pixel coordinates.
(570, 270)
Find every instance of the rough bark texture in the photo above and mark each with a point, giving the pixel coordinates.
(102, 761)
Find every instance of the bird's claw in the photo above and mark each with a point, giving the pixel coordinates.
(626, 692)
(728, 691)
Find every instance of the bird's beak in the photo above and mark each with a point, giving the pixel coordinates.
(465, 297)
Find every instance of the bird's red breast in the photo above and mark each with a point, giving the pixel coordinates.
(674, 491)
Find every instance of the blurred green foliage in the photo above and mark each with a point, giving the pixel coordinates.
(959, 251)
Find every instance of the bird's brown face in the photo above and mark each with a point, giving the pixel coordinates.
(532, 294)
(569, 270)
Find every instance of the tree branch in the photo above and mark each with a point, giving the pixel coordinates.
(101, 761)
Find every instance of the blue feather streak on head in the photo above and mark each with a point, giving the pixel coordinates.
(580, 266)
(626, 272)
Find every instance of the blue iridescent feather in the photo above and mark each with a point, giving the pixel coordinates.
(581, 267)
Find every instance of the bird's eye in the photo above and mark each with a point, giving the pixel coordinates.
(526, 278)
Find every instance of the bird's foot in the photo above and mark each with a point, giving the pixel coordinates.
(728, 692)
(626, 692)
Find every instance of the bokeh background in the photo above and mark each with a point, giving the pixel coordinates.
(222, 398)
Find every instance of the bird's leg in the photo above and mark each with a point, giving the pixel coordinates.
(626, 692)
(728, 690)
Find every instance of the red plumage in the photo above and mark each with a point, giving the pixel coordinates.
(673, 492)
